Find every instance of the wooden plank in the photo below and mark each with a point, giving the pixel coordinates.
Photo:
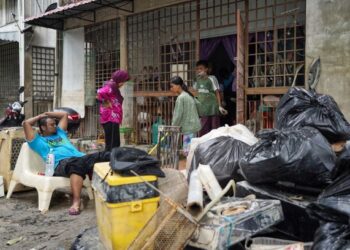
(267, 91)
(240, 113)
(153, 93)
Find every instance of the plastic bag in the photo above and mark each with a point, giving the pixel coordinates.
(337, 195)
(124, 159)
(332, 208)
(343, 161)
(238, 132)
(300, 108)
(332, 236)
(222, 154)
(302, 156)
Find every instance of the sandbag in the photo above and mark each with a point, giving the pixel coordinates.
(300, 108)
(222, 154)
(301, 156)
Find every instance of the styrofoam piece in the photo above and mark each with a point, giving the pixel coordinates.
(209, 181)
(238, 132)
(195, 195)
(28, 166)
(219, 229)
(266, 243)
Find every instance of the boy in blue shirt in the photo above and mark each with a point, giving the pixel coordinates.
(69, 162)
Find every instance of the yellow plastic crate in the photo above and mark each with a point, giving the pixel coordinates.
(121, 215)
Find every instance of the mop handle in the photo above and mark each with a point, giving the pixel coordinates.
(155, 146)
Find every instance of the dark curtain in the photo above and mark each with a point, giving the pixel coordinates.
(208, 46)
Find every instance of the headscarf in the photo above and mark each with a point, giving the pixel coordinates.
(118, 77)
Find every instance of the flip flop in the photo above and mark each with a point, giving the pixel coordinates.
(74, 211)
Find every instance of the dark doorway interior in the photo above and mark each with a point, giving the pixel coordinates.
(223, 69)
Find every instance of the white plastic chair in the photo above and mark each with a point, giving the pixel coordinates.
(28, 165)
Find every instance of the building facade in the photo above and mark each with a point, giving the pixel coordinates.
(27, 56)
(261, 42)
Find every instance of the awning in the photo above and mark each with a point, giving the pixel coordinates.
(10, 33)
(54, 19)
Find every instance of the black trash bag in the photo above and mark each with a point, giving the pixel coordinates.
(222, 154)
(124, 159)
(300, 108)
(337, 195)
(332, 208)
(301, 156)
(332, 236)
(343, 161)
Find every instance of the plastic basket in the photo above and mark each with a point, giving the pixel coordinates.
(174, 226)
(168, 146)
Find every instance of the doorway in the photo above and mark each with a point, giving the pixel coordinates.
(220, 53)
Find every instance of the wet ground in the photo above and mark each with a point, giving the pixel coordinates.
(22, 223)
(20, 220)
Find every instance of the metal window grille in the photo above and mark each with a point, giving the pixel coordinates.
(277, 43)
(218, 17)
(9, 73)
(166, 42)
(102, 57)
(276, 47)
(43, 74)
(161, 44)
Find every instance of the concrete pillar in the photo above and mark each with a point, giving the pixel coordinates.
(25, 63)
(28, 76)
(328, 37)
(128, 89)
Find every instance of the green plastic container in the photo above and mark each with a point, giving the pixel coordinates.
(155, 126)
(125, 135)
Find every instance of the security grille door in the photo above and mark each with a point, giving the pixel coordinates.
(9, 74)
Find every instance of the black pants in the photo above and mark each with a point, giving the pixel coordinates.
(112, 136)
(81, 166)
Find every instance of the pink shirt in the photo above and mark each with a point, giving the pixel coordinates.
(114, 113)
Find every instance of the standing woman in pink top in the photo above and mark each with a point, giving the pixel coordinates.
(111, 110)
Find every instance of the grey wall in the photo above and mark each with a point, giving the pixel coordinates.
(328, 36)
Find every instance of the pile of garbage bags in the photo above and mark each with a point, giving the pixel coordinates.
(298, 151)
(300, 108)
(224, 163)
(221, 149)
(301, 151)
(302, 156)
(332, 209)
